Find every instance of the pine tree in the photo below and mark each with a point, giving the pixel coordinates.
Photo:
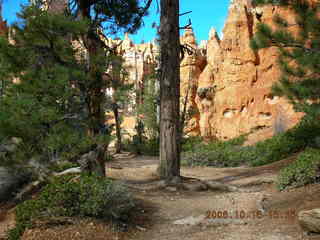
(299, 53)
(105, 17)
(147, 110)
(100, 17)
(46, 106)
(121, 91)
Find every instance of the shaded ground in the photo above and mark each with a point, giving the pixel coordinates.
(165, 208)
(277, 224)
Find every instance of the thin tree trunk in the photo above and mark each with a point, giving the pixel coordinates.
(169, 90)
(116, 84)
(118, 127)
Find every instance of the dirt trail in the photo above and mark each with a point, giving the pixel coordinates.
(176, 214)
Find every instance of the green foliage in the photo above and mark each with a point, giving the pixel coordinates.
(148, 110)
(231, 153)
(299, 54)
(305, 134)
(146, 141)
(118, 81)
(113, 16)
(148, 147)
(304, 170)
(67, 196)
(274, 149)
(47, 109)
(61, 166)
(217, 153)
(190, 143)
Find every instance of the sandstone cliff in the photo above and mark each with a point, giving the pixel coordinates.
(233, 95)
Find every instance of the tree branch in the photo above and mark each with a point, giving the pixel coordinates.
(143, 12)
(181, 14)
(64, 118)
(187, 26)
(293, 45)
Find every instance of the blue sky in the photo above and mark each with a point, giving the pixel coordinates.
(205, 14)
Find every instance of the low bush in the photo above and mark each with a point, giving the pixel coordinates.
(305, 170)
(218, 153)
(304, 135)
(146, 147)
(231, 153)
(67, 196)
(61, 166)
(191, 143)
(274, 149)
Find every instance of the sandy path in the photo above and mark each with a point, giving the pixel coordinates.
(174, 205)
(174, 214)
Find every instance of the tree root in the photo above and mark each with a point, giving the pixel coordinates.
(195, 185)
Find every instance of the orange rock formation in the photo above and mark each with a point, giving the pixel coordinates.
(233, 94)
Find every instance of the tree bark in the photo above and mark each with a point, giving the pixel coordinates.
(118, 127)
(169, 90)
(95, 95)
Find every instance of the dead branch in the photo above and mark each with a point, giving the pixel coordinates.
(181, 14)
(187, 26)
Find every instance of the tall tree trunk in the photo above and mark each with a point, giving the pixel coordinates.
(95, 50)
(95, 105)
(96, 113)
(95, 96)
(115, 109)
(169, 90)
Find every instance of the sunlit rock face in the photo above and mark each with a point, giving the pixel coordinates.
(234, 88)
(138, 58)
(191, 67)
